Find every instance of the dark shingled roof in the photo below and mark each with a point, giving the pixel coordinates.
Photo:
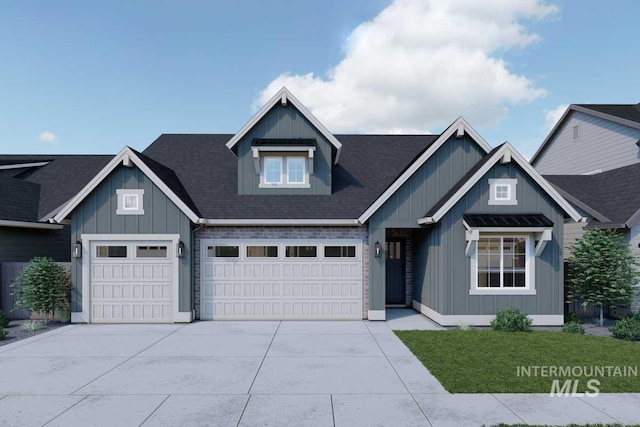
(624, 111)
(449, 194)
(508, 220)
(207, 170)
(19, 200)
(60, 180)
(614, 193)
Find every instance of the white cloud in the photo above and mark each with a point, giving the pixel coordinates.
(47, 137)
(420, 64)
(551, 117)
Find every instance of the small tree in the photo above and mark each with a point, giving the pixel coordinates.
(602, 270)
(42, 286)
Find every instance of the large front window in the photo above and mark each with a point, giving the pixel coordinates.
(502, 262)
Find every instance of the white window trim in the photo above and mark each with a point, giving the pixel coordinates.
(121, 193)
(284, 176)
(495, 183)
(473, 236)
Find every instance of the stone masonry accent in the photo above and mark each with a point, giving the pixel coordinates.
(270, 232)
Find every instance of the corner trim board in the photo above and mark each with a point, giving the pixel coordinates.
(377, 315)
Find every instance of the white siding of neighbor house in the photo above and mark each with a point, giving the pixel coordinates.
(572, 232)
(601, 144)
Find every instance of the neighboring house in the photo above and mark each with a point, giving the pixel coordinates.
(32, 188)
(284, 220)
(592, 157)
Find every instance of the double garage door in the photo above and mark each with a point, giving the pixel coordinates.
(278, 279)
(131, 281)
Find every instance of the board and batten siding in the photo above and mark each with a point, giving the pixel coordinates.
(97, 215)
(284, 122)
(412, 201)
(443, 273)
(601, 145)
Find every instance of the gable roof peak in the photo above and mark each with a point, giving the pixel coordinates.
(284, 97)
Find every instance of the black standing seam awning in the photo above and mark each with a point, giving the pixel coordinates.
(285, 142)
(507, 220)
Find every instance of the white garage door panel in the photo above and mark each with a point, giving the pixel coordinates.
(131, 289)
(281, 288)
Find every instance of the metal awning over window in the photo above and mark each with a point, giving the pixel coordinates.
(507, 220)
(536, 224)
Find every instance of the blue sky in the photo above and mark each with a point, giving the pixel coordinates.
(92, 77)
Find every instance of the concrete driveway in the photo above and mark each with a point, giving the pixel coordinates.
(248, 374)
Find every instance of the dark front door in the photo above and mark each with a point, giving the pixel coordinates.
(396, 287)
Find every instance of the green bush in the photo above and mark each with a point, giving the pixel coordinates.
(43, 286)
(573, 327)
(511, 320)
(627, 329)
(4, 322)
(3, 334)
(32, 326)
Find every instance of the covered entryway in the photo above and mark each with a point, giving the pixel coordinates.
(131, 281)
(281, 279)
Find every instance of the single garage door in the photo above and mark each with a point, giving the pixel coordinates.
(278, 279)
(131, 281)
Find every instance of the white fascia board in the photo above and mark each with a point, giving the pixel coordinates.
(126, 155)
(497, 156)
(25, 224)
(283, 96)
(23, 165)
(444, 137)
(296, 222)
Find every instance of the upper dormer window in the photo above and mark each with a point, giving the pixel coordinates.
(284, 170)
(284, 163)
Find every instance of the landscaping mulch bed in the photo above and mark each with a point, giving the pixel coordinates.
(17, 331)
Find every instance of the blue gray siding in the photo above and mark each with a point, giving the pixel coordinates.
(443, 276)
(414, 198)
(601, 145)
(97, 215)
(284, 122)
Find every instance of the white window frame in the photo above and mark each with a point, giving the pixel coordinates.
(502, 288)
(284, 173)
(122, 194)
(510, 183)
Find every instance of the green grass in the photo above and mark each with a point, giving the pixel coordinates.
(487, 361)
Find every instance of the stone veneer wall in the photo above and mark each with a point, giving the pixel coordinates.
(266, 232)
(407, 235)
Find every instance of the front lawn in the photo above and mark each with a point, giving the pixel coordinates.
(488, 361)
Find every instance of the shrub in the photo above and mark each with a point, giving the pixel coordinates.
(573, 327)
(464, 326)
(627, 329)
(3, 334)
(511, 320)
(32, 326)
(43, 286)
(4, 322)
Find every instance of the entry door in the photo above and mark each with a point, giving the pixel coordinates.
(396, 287)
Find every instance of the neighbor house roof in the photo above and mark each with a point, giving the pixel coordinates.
(624, 114)
(39, 191)
(611, 197)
